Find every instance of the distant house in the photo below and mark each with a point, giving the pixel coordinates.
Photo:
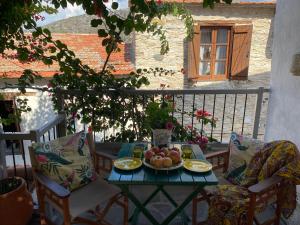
(231, 42)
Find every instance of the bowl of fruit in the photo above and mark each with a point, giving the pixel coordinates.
(163, 158)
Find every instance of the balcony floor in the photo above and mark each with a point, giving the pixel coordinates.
(160, 208)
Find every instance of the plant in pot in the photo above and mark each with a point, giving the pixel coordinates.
(198, 135)
(159, 121)
(15, 200)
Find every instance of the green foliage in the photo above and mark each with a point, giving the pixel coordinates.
(105, 109)
(158, 114)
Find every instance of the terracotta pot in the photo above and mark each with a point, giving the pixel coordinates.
(16, 206)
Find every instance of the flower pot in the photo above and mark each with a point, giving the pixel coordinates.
(161, 137)
(16, 206)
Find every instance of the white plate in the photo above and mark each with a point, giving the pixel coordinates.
(165, 169)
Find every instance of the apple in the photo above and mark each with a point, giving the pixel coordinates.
(175, 156)
(148, 154)
(155, 150)
(167, 162)
(161, 154)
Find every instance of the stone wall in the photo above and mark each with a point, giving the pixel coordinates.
(147, 52)
(147, 47)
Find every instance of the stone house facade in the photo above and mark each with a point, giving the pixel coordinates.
(258, 16)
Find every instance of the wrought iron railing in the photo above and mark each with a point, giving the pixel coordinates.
(240, 110)
(18, 158)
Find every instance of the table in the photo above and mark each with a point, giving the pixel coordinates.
(146, 176)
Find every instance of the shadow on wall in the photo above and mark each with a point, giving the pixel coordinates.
(269, 46)
(253, 82)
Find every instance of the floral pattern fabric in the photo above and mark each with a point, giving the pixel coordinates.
(229, 203)
(242, 149)
(66, 160)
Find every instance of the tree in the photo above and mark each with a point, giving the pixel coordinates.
(20, 16)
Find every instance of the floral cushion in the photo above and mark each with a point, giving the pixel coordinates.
(66, 160)
(242, 149)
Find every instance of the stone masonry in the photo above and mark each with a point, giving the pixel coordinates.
(147, 55)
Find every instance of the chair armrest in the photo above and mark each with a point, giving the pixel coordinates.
(265, 185)
(54, 187)
(217, 154)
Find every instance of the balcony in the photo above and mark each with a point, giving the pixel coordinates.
(241, 110)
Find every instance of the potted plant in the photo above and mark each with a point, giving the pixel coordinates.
(159, 120)
(199, 136)
(16, 206)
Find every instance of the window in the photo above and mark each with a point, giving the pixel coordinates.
(219, 52)
(214, 42)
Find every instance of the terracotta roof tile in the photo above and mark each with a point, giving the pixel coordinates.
(87, 47)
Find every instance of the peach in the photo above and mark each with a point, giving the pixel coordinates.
(157, 161)
(167, 162)
(165, 151)
(148, 154)
(175, 149)
(175, 156)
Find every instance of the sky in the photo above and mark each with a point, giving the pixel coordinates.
(73, 10)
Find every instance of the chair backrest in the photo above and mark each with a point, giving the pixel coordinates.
(67, 160)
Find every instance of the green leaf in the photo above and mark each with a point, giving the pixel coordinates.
(102, 33)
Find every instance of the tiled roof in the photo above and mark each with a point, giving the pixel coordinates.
(87, 47)
(233, 1)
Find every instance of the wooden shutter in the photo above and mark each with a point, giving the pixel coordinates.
(241, 44)
(193, 54)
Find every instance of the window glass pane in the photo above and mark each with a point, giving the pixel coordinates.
(221, 52)
(220, 68)
(204, 68)
(222, 36)
(206, 35)
(205, 52)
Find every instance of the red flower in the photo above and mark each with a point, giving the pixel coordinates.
(42, 158)
(159, 2)
(169, 125)
(201, 113)
(90, 129)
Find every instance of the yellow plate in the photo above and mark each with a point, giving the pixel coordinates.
(127, 163)
(196, 165)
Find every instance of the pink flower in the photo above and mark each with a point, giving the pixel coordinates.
(74, 114)
(49, 85)
(169, 125)
(189, 126)
(42, 158)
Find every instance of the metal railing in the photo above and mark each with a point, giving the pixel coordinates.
(20, 162)
(240, 110)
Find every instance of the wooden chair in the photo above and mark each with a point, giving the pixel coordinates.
(262, 192)
(85, 199)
